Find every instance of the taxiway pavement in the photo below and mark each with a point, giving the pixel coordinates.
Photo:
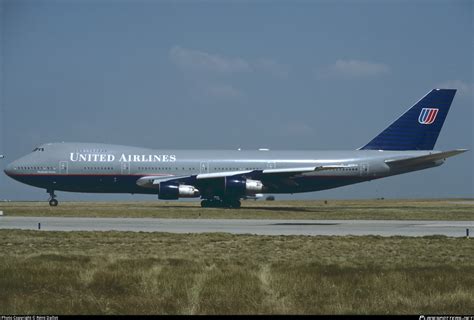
(410, 228)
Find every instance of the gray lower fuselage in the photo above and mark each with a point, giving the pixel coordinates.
(104, 168)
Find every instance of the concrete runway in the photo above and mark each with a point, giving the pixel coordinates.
(245, 226)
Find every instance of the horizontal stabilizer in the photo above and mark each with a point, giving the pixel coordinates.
(414, 161)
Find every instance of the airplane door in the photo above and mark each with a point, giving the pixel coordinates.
(364, 169)
(271, 165)
(125, 167)
(63, 168)
(204, 167)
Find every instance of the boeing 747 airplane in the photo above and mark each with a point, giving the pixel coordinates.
(222, 178)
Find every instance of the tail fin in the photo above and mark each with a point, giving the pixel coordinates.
(419, 127)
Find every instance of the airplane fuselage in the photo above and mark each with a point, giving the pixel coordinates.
(104, 168)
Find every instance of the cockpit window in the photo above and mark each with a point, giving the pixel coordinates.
(38, 149)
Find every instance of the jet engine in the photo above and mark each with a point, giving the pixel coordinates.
(242, 186)
(173, 191)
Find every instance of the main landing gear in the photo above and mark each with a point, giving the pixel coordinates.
(52, 198)
(221, 203)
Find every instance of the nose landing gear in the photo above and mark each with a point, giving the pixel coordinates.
(52, 198)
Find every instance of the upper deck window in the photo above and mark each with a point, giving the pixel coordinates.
(91, 150)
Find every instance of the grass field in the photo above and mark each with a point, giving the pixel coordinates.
(156, 273)
(334, 209)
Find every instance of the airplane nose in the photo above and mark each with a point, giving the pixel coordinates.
(9, 169)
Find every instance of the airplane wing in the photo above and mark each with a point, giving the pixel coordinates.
(154, 181)
(253, 173)
(414, 161)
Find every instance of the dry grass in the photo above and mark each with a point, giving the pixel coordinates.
(333, 209)
(156, 273)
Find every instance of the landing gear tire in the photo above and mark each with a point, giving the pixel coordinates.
(211, 203)
(216, 203)
(233, 204)
(52, 200)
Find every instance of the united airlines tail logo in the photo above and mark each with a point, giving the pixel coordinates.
(428, 115)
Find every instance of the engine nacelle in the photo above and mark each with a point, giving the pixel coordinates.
(241, 187)
(174, 191)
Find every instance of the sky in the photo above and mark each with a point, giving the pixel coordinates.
(287, 75)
